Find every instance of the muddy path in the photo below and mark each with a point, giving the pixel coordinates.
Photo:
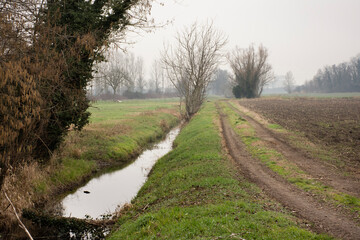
(319, 170)
(324, 218)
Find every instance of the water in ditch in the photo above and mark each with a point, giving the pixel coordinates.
(103, 195)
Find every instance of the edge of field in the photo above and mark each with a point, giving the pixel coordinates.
(116, 135)
(285, 168)
(298, 137)
(195, 192)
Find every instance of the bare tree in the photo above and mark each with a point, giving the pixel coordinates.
(157, 75)
(163, 80)
(113, 73)
(221, 85)
(192, 61)
(115, 76)
(289, 83)
(132, 72)
(251, 71)
(139, 72)
(120, 70)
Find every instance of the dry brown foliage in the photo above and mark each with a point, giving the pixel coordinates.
(44, 68)
(18, 187)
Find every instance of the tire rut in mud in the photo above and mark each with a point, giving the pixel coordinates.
(325, 219)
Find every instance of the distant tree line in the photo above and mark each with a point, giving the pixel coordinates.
(344, 77)
(122, 75)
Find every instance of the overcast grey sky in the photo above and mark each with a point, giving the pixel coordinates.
(301, 35)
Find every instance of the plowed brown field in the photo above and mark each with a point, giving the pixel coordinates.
(333, 123)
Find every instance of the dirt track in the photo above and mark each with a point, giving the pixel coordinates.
(325, 218)
(318, 170)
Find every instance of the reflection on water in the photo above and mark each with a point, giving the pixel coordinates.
(104, 194)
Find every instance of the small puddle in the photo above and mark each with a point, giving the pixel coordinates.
(103, 195)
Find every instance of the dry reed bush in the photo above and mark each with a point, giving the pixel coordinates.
(19, 115)
(18, 185)
(21, 186)
(21, 101)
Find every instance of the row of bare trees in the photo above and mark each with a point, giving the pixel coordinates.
(124, 74)
(192, 61)
(119, 70)
(344, 77)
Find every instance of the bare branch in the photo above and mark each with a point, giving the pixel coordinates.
(18, 218)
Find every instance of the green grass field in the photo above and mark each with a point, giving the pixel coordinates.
(195, 192)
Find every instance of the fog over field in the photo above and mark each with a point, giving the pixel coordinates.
(302, 36)
(258, 102)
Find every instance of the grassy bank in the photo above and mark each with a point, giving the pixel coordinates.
(194, 192)
(117, 133)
